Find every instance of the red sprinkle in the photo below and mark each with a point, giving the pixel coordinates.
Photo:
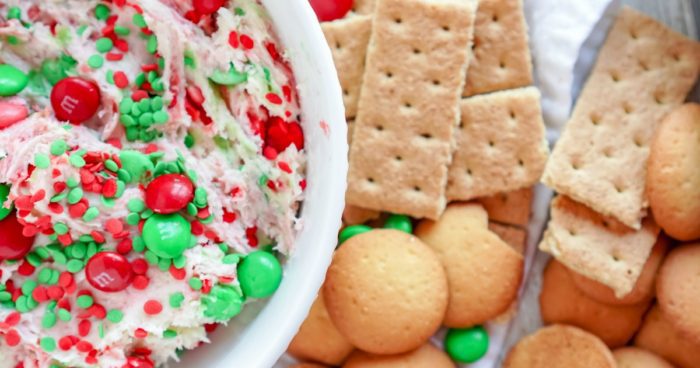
(140, 282)
(139, 266)
(233, 39)
(152, 307)
(13, 319)
(125, 246)
(247, 42)
(12, 338)
(120, 79)
(251, 234)
(115, 56)
(177, 273)
(140, 333)
(84, 327)
(284, 167)
(114, 226)
(273, 98)
(65, 343)
(229, 217)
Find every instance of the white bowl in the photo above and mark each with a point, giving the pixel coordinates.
(258, 336)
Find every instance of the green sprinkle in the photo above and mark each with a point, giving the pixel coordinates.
(31, 302)
(157, 103)
(48, 344)
(169, 334)
(111, 165)
(91, 250)
(192, 209)
(42, 161)
(120, 189)
(5, 296)
(239, 12)
(101, 330)
(96, 61)
(21, 304)
(85, 301)
(151, 257)
(76, 160)
(152, 44)
(79, 250)
(195, 283)
(231, 259)
(115, 316)
(139, 21)
(81, 30)
(64, 315)
(133, 219)
(59, 147)
(180, 262)
(28, 287)
(122, 31)
(189, 141)
(74, 265)
(146, 119)
(161, 117)
(176, 299)
(189, 62)
(164, 264)
(13, 40)
(136, 205)
(42, 252)
(72, 182)
(14, 13)
(125, 105)
(102, 12)
(104, 45)
(140, 79)
(75, 195)
(108, 202)
(60, 228)
(123, 175)
(44, 276)
(127, 120)
(200, 195)
(145, 105)
(138, 244)
(110, 76)
(146, 214)
(33, 259)
(91, 214)
(49, 320)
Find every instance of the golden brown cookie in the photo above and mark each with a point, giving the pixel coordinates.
(678, 289)
(425, 356)
(560, 346)
(483, 272)
(386, 291)
(661, 337)
(633, 357)
(673, 178)
(562, 302)
(644, 289)
(318, 339)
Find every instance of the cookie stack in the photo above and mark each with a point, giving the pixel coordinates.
(626, 174)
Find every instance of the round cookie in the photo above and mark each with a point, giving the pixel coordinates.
(660, 337)
(483, 272)
(644, 290)
(425, 356)
(632, 357)
(562, 302)
(673, 178)
(318, 339)
(678, 289)
(386, 291)
(560, 346)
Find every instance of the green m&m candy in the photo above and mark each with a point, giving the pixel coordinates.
(167, 236)
(351, 231)
(399, 222)
(467, 345)
(4, 192)
(222, 303)
(12, 80)
(259, 274)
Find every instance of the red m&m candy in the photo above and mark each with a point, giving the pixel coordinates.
(327, 10)
(75, 99)
(13, 245)
(109, 272)
(206, 7)
(281, 134)
(169, 193)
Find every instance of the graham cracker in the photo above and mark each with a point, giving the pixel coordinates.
(351, 129)
(348, 38)
(501, 53)
(511, 235)
(409, 105)
(363, 6)
(643, 71)
(501, 144)
(511, 208)
(598, 247)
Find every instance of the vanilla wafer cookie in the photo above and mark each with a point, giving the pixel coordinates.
(511, 235)
(511, 208)
(348, 38)
(598, 247)
(643, 72)
(501, 144)
(501, 56)
(363, 6)
(409, 105)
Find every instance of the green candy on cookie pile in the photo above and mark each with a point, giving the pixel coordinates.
(467, 345)
(399, 222)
